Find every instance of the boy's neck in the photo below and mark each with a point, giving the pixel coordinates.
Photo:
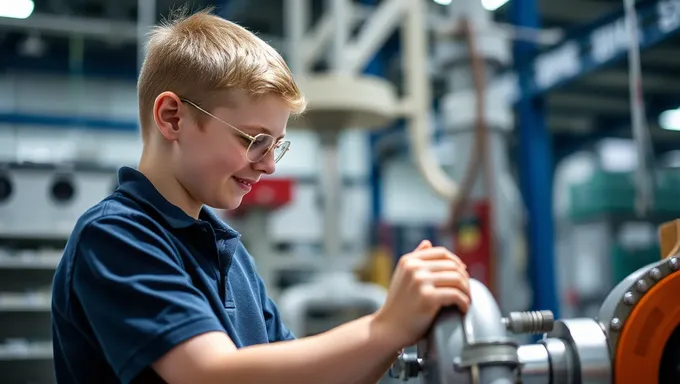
(162, 178)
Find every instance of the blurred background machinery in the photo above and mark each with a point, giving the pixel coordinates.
(500, 128)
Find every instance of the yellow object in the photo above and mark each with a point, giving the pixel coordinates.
(380, 267)
(469, 237)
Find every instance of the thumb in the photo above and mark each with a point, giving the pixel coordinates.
(425, 244)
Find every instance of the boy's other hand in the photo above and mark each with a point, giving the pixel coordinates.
(424, 281)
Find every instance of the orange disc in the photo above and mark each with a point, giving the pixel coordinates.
(645, 332)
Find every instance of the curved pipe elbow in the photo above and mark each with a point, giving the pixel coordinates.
(453, 336)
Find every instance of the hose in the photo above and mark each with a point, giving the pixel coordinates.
(480, 156)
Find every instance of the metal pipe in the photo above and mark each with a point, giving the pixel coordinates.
(71, 25)
(317, 40)
(644, 181)
(464, 340)
(418, 93)
(340, 10)
(332, 199)
(377, 30)
(535, 364)
(146, 19)
(297, 18)
(95, 28)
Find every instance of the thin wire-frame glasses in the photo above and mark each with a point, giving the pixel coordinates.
(260, 144)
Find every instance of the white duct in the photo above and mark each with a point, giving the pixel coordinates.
(418, 103)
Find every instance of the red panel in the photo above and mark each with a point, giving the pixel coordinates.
(268, 194)
(472, 243)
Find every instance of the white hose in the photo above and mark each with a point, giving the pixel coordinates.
(419, 95)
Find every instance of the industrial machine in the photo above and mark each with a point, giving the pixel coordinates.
(634, 339)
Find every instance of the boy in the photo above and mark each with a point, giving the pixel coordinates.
(154, 288)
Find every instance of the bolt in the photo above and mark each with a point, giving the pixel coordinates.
(641, 285)
(628, 298)
(535, 322)
(615, 324)
(655, 274)
(406, 367)
(673, 264)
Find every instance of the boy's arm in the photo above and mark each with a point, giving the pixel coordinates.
(145, 312)
(346, 354)
(357, 352)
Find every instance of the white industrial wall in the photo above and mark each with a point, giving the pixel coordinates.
(407, 200)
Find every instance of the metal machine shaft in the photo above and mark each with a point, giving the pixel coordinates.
(635, 339)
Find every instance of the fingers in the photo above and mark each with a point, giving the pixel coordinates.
(425, 244)
(444, 265)
(439, 253)
(451, 279)
(445, 279)
(450, 296)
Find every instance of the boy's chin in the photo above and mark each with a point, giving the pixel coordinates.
(229, 203)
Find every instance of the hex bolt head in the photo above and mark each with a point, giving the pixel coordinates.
(615, 324)
(628, 298)
(641, 285)
(655, 274)
(673, 264)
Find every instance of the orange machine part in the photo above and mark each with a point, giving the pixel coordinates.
(644, 335)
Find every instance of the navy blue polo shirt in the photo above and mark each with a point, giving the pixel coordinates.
(139, 276)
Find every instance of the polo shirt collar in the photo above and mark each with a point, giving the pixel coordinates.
(137, 186)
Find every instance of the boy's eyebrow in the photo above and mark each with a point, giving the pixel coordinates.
(260, 129)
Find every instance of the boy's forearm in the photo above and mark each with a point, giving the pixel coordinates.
(381, 370)
(351, 353)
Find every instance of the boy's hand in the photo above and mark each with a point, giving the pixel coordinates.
(424, 281)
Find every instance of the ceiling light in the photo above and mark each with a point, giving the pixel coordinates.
(489, 5)
(670, 120)
(16, 9)
(492, 5)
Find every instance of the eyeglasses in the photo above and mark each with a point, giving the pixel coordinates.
(260, 144)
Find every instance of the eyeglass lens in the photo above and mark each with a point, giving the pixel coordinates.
(261, 146)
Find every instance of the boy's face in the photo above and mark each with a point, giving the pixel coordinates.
(211, 161)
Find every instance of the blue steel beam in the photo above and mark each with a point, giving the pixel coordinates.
(596, 46)
(535, 168)
(67, 122)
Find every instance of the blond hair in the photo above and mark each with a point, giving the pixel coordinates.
(198, 55)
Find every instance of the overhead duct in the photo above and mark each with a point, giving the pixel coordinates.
(95, 28)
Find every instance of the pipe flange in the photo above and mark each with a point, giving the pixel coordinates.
(623, 299)
(487, 353)
(586, 341)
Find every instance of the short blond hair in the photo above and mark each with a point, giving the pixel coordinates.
(199, 55)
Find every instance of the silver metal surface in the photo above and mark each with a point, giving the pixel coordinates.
(562, 362)
(622, 299)
(332, 198)
(589, 343)
(529, 322)
(407, 366)
(628, 298)
(655, 274)
(535, 364)
(451, 333)
(615, 324)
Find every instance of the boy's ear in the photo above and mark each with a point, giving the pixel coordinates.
(168, 111)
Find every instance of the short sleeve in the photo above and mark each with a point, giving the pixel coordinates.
(138, 299)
